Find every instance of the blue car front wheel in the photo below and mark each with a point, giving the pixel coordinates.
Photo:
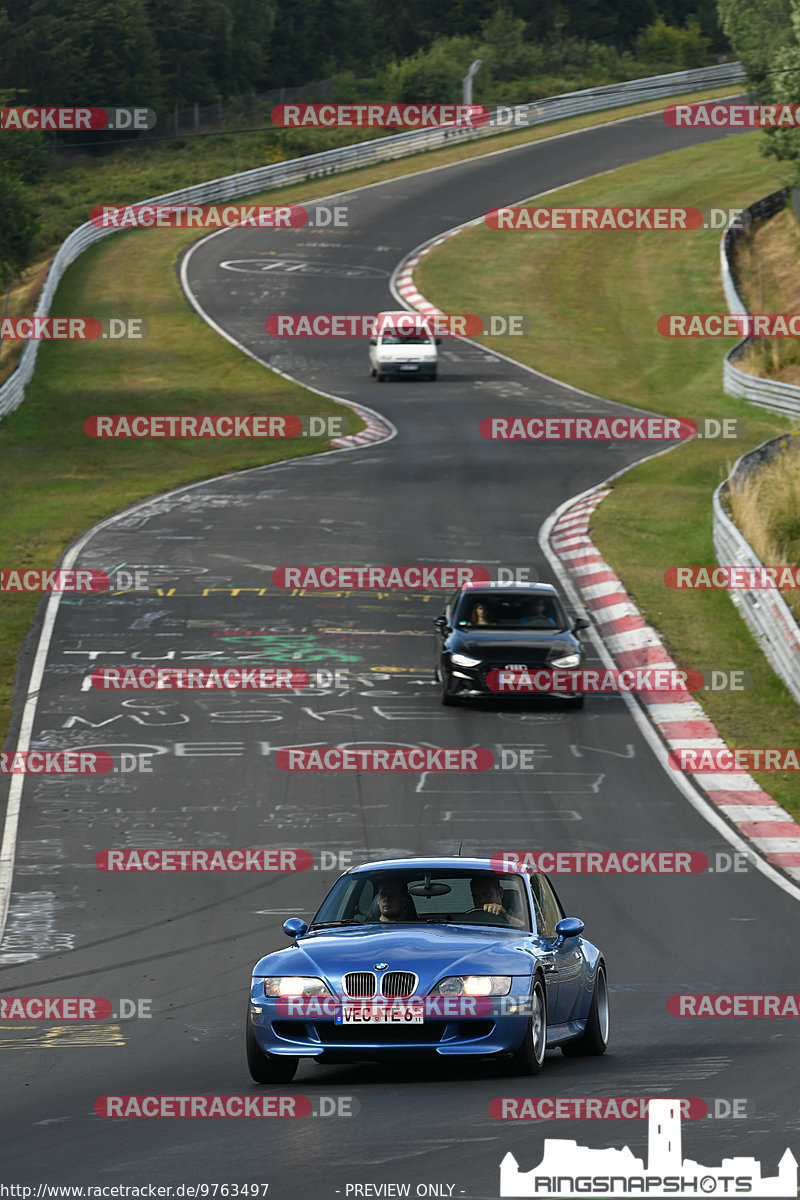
(529, 1058)
(265, 1067)
(594, 1039)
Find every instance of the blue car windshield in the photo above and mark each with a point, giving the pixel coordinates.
(446, 897)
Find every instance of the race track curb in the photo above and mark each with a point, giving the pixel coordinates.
(682, 722)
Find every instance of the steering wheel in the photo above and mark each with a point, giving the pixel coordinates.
(471, 911)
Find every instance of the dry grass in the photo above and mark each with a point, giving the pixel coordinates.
(766, 508)
(768, 265)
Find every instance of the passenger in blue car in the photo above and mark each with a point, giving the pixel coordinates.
(489, 895)
(394, 902)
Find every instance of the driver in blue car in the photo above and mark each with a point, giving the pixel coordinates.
(489, 895)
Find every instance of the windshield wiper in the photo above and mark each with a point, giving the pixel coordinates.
(328, 924)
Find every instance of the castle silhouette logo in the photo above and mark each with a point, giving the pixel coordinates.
(568, 1169)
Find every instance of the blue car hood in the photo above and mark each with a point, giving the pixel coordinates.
(431, 951)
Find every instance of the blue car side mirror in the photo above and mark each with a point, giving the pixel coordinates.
(296, 927)
(567, 928)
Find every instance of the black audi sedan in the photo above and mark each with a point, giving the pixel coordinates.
(493, 627)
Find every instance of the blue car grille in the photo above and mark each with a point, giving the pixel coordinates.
(393, 983)
(360, 983)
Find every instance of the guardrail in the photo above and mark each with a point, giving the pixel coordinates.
(328, 162)
(778, 397)
(765, 612)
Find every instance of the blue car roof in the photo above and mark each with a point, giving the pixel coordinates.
(434, 864)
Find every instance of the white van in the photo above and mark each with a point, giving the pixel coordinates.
(399, 349)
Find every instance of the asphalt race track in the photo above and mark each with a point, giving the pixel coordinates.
(435, 493)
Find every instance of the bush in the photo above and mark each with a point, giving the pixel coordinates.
(667, 45)
(18, 228)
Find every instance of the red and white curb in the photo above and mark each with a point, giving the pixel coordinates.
(377, 429)
(403, 280)
(682, 722)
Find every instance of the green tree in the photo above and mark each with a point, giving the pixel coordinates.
(758, 30)
(18, 228)
(666, 45)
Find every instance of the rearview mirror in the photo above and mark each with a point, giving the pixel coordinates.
(580, 624)
(441, 623)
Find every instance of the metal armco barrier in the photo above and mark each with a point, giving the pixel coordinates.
(765, 612)
(766, 393)
(328, 162)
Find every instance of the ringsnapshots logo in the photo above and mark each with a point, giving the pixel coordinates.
(567, 1169)
(77, 120)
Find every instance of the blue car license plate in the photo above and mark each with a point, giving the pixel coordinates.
(380, 1014)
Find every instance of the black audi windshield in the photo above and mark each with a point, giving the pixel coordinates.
(452, 896)
(499, 610)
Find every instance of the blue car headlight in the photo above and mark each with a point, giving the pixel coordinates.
(474, 985)
(566, 661)
(463, 660)
(277, 987)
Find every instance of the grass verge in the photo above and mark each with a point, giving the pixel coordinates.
(593, 300)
